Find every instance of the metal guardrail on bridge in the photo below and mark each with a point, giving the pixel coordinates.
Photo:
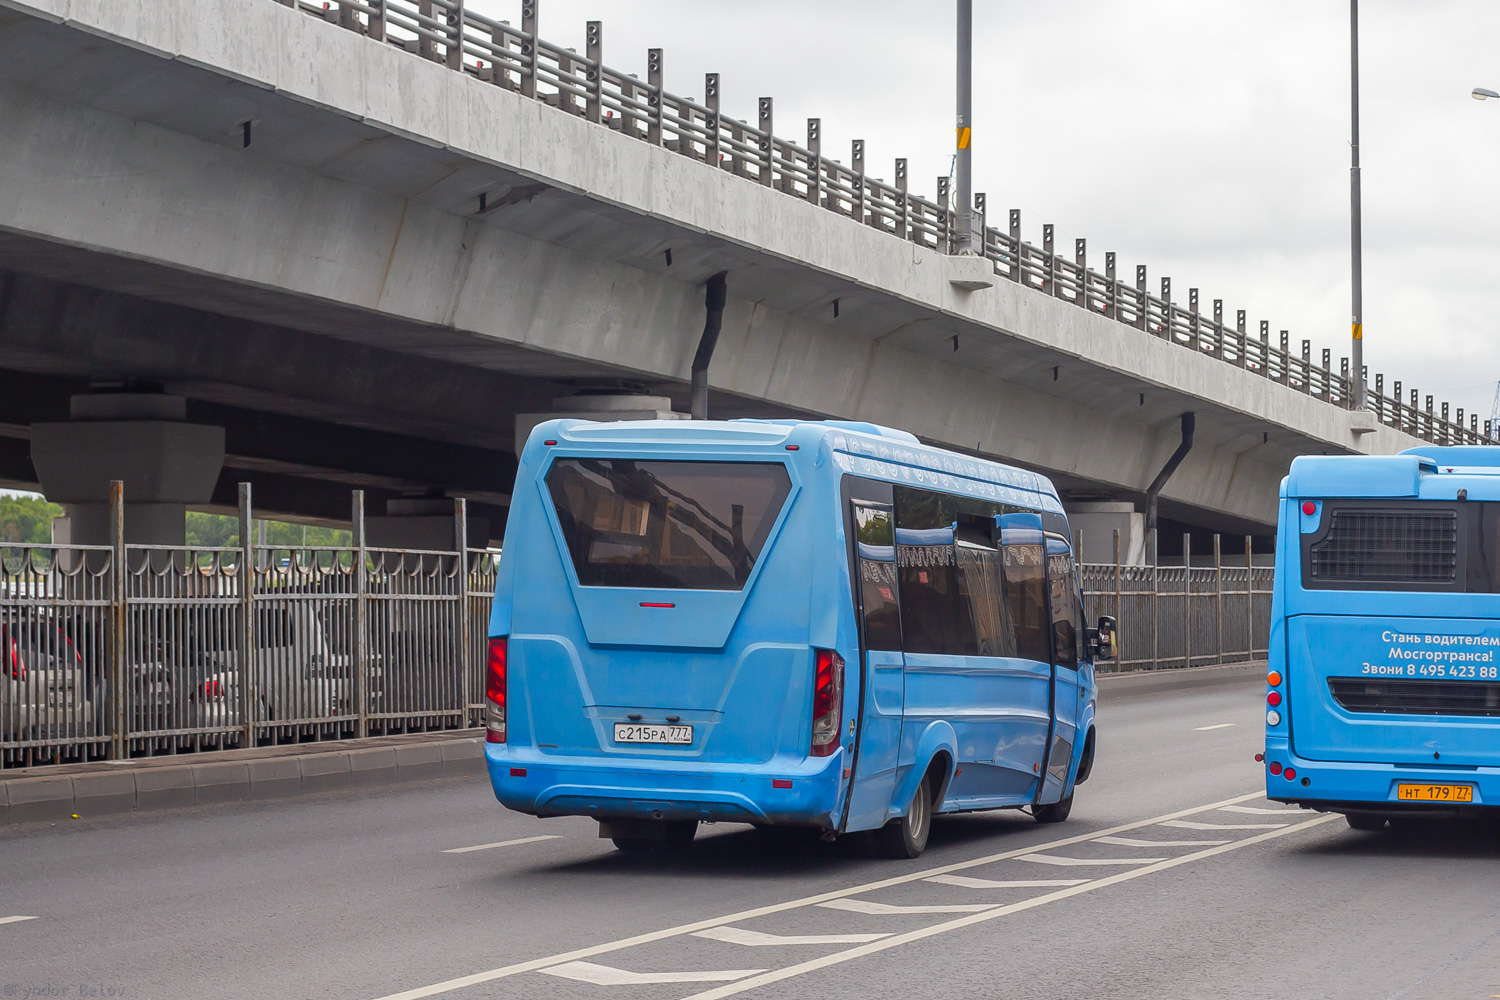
(518, 59)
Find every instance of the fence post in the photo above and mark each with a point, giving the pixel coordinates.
(1017, 273)
(361, 636)
(119, 578)
(1112, 296)
(1049, 282)
(1119, 609)
(1187, 600)
(455, 45)
(425, 48)
(245, 661)
(1219, 595)
(1155, 601)
(815, 160)
(711, 123)
(1143, 315)
(655, 96)
(903, 226)
(857, 164)
(528, 47)
(377, 20)
(594, 49)
(1249, 603)
(945, 231)
(766, 122)
(466, 665)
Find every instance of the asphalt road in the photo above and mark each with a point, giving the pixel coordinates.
(360, 896)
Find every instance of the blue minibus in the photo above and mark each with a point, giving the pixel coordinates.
(816, 624)
(1383, 699)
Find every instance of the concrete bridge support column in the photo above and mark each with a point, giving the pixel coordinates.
(141, 438)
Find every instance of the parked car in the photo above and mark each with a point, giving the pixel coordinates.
(43, 689)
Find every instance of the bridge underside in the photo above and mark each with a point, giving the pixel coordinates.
(335, 298)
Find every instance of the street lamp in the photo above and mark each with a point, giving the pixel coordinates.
(1356, 261)
(1482, 93)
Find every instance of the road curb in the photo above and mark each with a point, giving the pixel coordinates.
(1141, 682)
(106, 788)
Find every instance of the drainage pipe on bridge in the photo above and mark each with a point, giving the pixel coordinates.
(1154, 490)
(714, 299)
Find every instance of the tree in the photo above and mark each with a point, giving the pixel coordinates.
(27, 520)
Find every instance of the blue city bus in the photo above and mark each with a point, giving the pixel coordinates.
(1383, 699)
(818, 624)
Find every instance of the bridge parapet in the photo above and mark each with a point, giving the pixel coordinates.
(520, 60)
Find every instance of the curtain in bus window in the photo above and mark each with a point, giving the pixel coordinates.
(982, 584)
(693, 525)
(1066, 616)
(877, 577)
(1026, 593)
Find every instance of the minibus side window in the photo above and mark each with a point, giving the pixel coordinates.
(982, 583)
(1066, 616)
(934, 614)
(877, 577)
(1026, 590)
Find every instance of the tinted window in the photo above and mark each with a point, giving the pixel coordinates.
(1066, 615)
(982, 583)
(875, 532)
(934, 613)
(694, 525)
(1026, 591)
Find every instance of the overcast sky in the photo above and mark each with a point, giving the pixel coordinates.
(1207, 140)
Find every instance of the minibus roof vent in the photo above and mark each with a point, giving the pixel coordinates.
(858, 426)
(1460, 456)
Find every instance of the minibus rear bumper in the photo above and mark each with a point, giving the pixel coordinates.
(552, 785)
(1371, 787)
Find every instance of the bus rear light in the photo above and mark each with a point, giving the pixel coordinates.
(12, 663)
(1273, 679)
(1273, 699)
(494, 691)
(1290, 774)
(1273, 718)
(1259, 757)
(518, 772)
(1275, 768)
(781, 783)
(1309, 508)
(828, 702)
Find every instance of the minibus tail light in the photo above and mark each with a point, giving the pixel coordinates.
(494, 691)
(828, 702)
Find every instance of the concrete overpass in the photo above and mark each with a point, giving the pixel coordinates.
(364, 251)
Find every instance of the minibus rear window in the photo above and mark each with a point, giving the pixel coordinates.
(689, 525)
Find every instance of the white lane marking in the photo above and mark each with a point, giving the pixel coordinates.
(1136, 842)
(1259, 811)
(503, 843)
(989, 883)
(760, 939)
(1183, 824)
(1204, 729)
(1053, 859)
(650, 937)
(895, 941)
(888, 909)
(603, 975)
(14, 920)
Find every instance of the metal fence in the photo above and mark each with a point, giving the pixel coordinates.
(123, 650)
(582, 84)
(1184, 615)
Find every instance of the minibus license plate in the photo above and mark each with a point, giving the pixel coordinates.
(637, 732)
(1435, 793)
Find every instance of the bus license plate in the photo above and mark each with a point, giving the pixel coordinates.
(637, 732)
(1435, 793)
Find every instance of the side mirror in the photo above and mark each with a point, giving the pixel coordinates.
(1109, 641)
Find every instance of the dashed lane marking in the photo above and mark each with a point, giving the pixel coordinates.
(1137, 842)
(503, 843)
(760, 939)
(603, 975)
(1053, 859)
(891, 909)
(989, 883)
(14, 920)
(1204, 729)
(1184, 824)
(896, 940)
(620, 944)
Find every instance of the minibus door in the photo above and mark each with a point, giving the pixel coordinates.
(882, 686)
(1023, 548)
(1068, 654)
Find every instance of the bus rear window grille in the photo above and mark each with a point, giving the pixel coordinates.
(1416, 697)
(1388, 546)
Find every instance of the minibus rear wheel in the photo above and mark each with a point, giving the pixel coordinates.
(1053, 812)
(907, 837)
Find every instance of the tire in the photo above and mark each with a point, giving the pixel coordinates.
(1365, 821)
(1053, 812)
(906, 837)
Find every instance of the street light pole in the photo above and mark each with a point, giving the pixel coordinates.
(1357, 359)
(963, 168)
